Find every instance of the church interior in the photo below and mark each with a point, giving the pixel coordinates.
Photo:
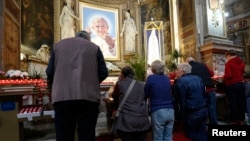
(202, 29)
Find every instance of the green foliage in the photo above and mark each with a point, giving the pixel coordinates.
(138, 64)
(172, 66)
(175, 54)
(172, 60)
(36, 74)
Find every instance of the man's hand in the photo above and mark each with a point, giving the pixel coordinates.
(110, 41)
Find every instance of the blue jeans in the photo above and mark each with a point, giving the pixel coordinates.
(75, 114)
(162, 124)
(211, 106)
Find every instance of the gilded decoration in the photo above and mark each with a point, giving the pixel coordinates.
(186, 12)
(157, 10)
(187, 29)
(106, 18)
(141, 11)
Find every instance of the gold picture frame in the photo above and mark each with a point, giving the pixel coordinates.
(88, 13)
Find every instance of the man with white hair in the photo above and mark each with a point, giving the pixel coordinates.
(205, 74)
(190, 94)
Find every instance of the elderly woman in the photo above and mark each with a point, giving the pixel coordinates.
(158, 91)
(133, 122)
(190, 92)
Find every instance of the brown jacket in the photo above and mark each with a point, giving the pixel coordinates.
(76, 70)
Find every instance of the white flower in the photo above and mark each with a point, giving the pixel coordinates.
(24, 74)
(16, 73)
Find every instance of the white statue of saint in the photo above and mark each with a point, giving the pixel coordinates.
(130, 31)
(153, 48)
(67, 20)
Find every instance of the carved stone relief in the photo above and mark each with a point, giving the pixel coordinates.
(219, 61)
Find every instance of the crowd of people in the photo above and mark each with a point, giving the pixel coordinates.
(149, 105)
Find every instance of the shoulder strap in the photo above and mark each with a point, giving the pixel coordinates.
(125, 98)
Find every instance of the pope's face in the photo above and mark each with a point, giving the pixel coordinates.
(101, 28)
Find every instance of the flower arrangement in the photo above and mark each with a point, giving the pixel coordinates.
(16, 74)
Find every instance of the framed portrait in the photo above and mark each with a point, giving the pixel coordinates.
(154, 41)
(102, 24)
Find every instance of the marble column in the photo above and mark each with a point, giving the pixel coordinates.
(211, 31)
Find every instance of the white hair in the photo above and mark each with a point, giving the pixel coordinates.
(190, 59)
(185, 67)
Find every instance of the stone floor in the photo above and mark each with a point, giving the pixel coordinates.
(39, 131)
(45, 131)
